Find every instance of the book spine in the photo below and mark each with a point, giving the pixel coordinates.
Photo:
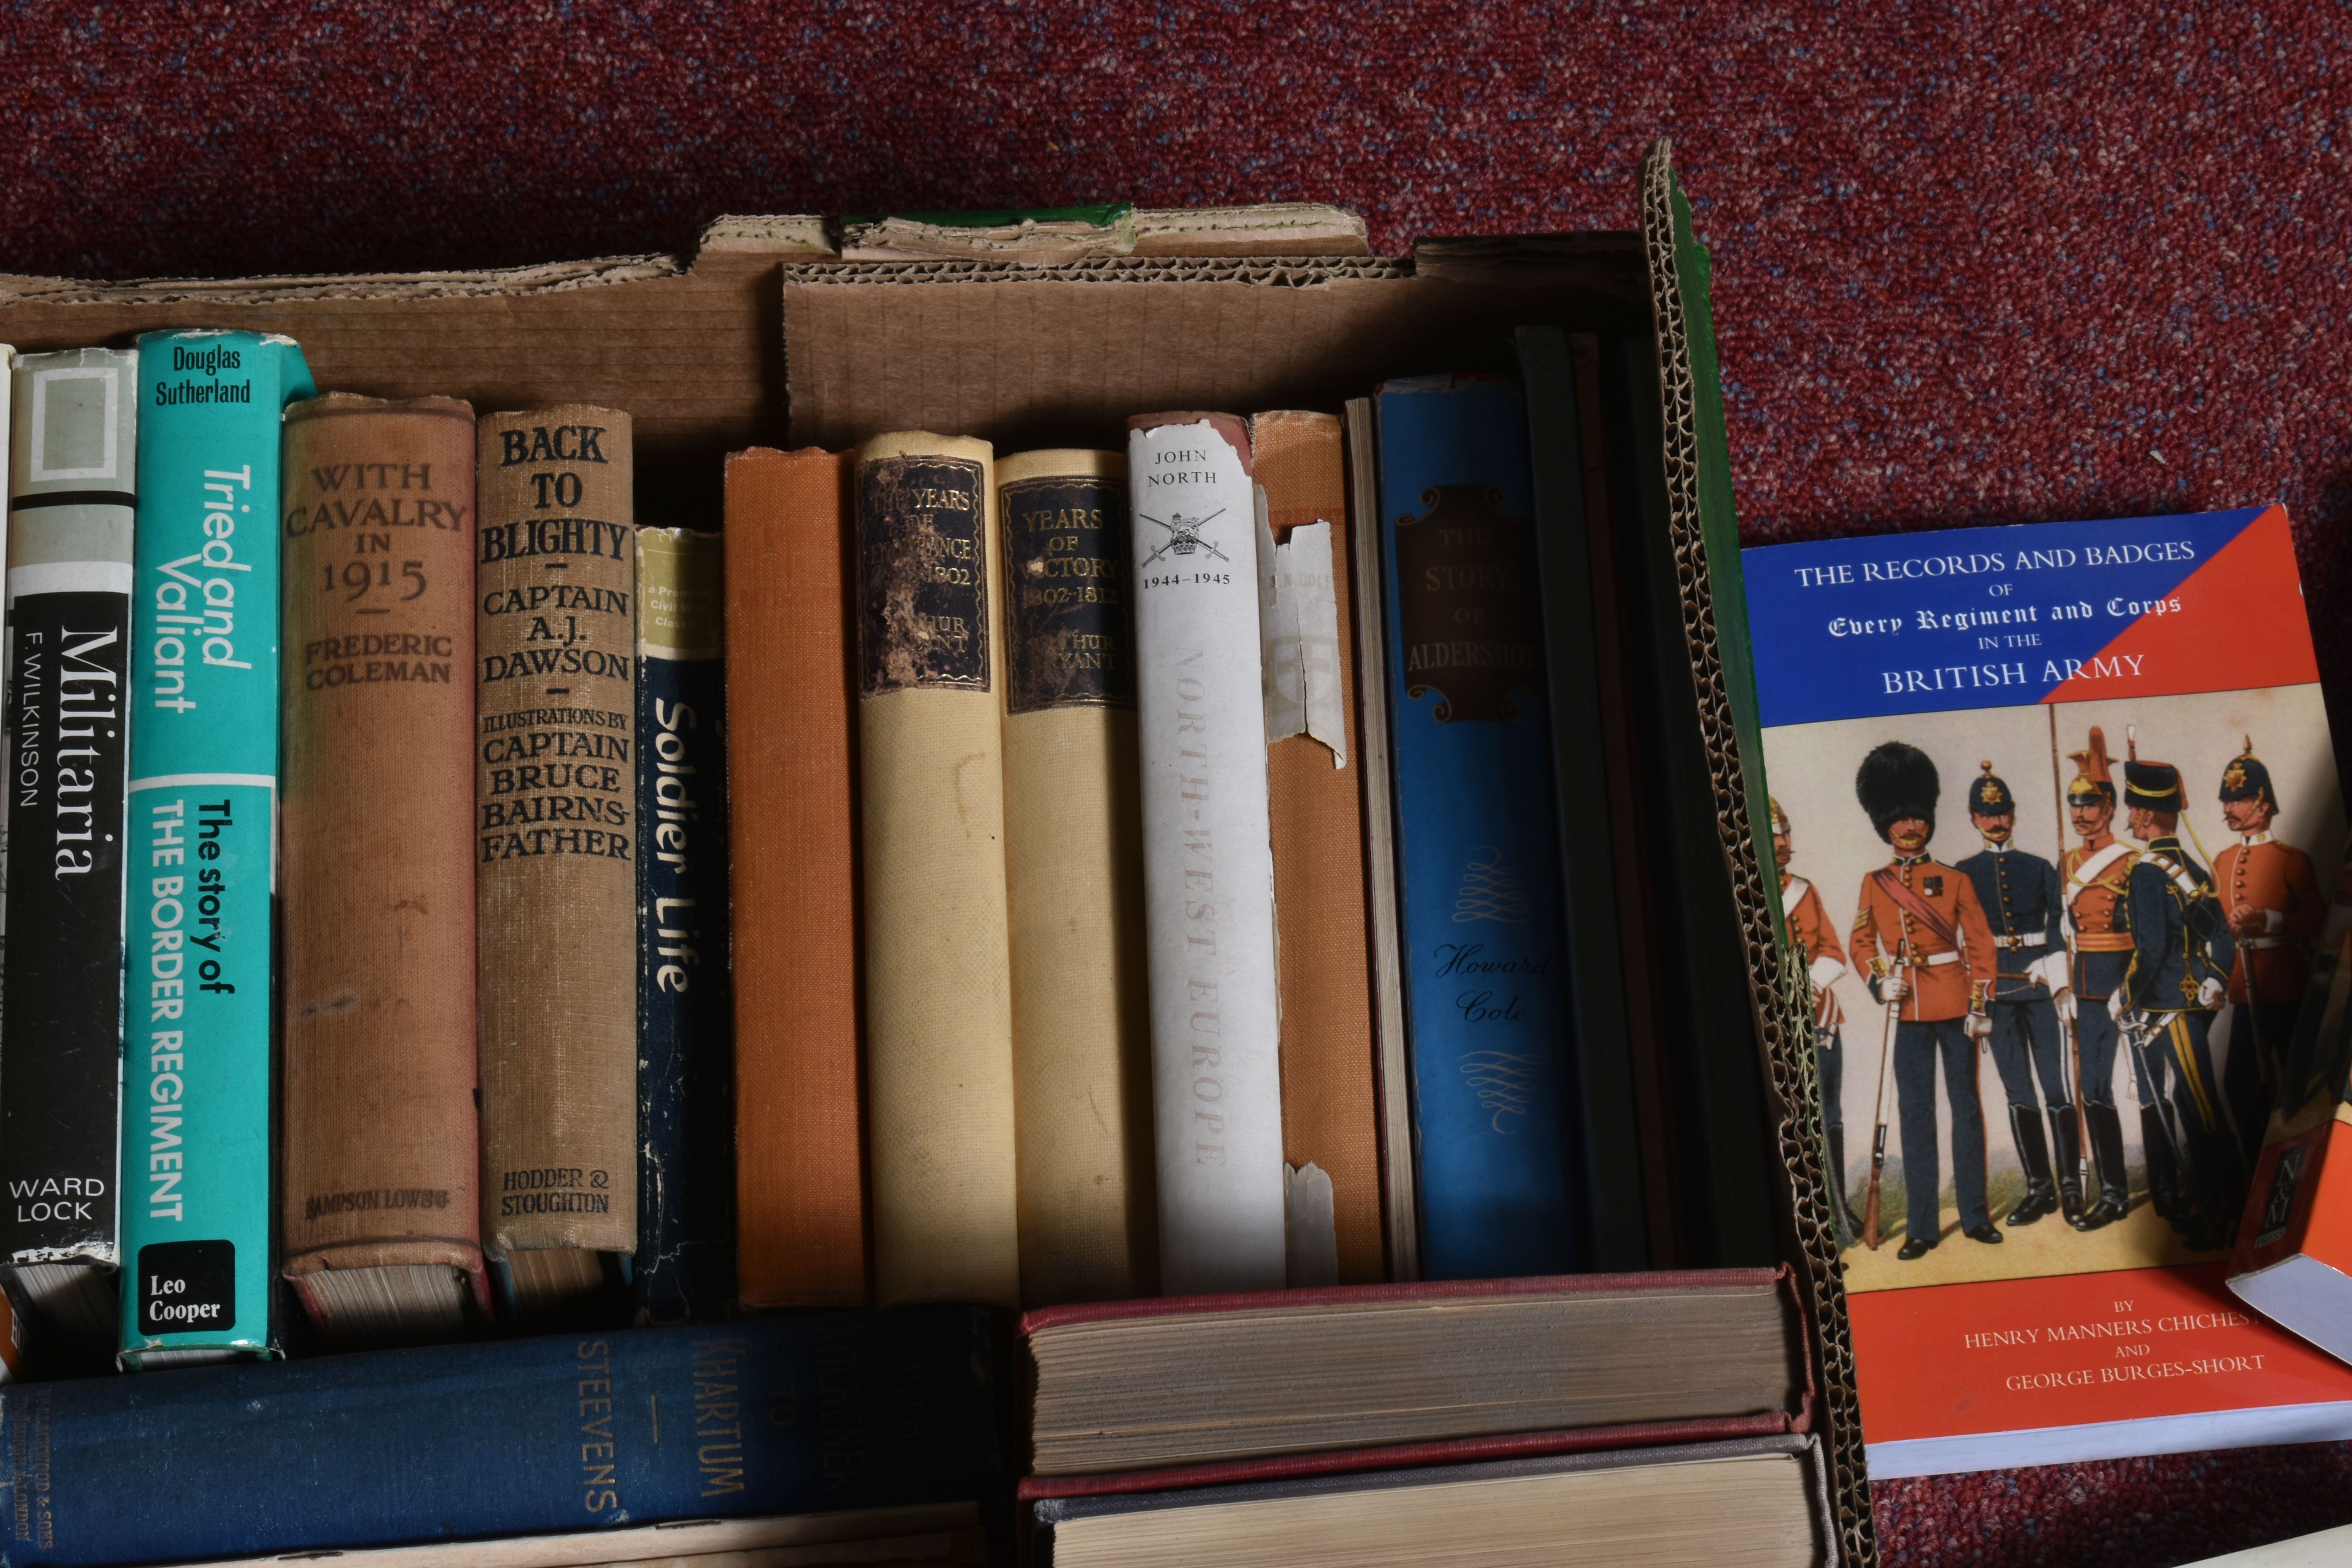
(792, 792)
(1399, 1208)
(1485, 974)
(68, 624)
(1208, 869)
(1331, 1116)
(686, 1079)
(201, 867)
(1581, 737)
(1074, 864)
(379, 1152)
(525, 1437)
(1717, 1117)
(555, 872)
(939, 1010)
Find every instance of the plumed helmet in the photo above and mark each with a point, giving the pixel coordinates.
(1989, 793)
(2094, 780)
(1896, 781)
(2246, 778)
(1779, 818)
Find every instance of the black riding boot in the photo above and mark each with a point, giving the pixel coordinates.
(1842, 1210)
(2106, 1130)
(2163, 1165)
(2041, 1194)
(2066, 1142)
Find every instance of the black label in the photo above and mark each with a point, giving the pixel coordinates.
(186, 1286)
(1466, 602)
(922, 578)
(1070, 638)
(60, 1103)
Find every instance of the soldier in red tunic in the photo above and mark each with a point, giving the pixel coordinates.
(1920, 935)
(2270, 895)
(1816, 940)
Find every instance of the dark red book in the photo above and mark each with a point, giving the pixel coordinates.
(1189, 1391)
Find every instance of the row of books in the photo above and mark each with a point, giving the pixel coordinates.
(1582, 1421)
(278, 737)
(1056, 816)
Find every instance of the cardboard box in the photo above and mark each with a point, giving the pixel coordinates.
(767, 337)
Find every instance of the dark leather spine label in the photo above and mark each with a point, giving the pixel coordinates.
(1467, 606)
(922, 555)
(1070, 640)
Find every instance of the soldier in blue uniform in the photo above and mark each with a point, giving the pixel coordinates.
(2021, 904)
(2179, 976)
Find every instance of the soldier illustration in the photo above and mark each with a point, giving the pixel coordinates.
(1920, 935)
(2019, 894)
(2181, 955)
(2096, 879)
(2270, 894)
(1817, 948)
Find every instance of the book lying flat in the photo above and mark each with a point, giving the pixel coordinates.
(2049, 799)
(1206, 1381)
(521, 1436)
(1730, 1505)
(2294, 1257)
(943, 1533)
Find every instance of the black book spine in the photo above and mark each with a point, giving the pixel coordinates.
(59, 1070)
(685, 1072)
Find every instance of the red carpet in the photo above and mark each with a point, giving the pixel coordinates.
(1994, 265)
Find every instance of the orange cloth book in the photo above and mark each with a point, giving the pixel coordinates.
(1314, 797)
(791, 782)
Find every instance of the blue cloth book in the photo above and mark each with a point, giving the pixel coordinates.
(829, 1410)
(202, 863)
(685, 1270)
(1477, 855)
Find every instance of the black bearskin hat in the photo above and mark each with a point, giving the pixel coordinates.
(1896, 781)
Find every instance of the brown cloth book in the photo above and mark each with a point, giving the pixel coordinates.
(382, 1227)
(1315, 798)
(555, 868)
(792, 783)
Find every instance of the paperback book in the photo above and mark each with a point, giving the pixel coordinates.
(2051, 796)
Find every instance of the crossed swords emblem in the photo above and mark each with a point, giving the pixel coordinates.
(1184, 537)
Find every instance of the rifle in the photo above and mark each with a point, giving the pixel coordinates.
(1871, 1235)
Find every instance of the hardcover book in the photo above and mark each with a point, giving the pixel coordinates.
(1180, 1391)
(1758, 1503)
(792, 792)
(557, 846)
(1593, 771)
(2049, 799)
(1208, 869)
(202, 861)
(1315, 768)
(1502, 1187)
(685, 1269)
(70, 646)
(1074, 879)
(939, 993)
(381, 1221)
(533, 1435)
